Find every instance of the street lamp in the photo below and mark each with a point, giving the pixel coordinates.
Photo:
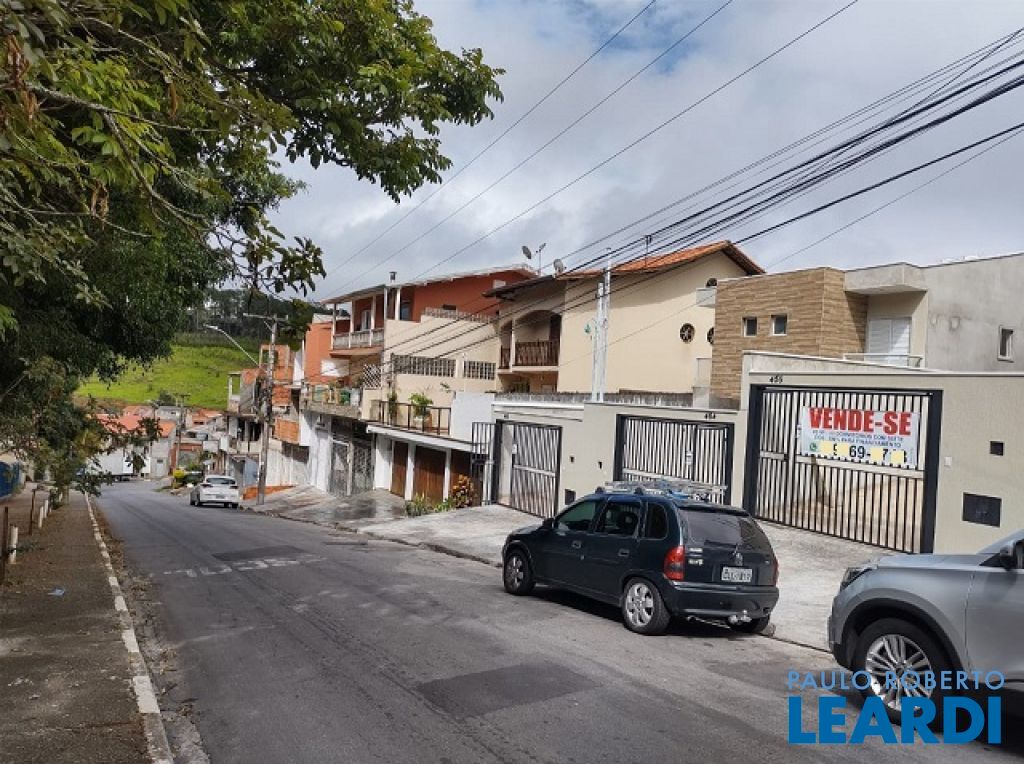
(530, 255)
(211, 327)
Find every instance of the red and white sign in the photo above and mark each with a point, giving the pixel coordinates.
(862, 435)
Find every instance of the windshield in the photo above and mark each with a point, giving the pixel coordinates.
(221, 481)
(708, 527)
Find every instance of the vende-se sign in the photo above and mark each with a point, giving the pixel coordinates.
(861, 435)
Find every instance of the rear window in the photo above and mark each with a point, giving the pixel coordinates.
(221, 481)
(707, 527)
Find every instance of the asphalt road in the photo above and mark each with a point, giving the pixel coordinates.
(298, 644)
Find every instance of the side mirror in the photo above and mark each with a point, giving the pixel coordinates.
(1008, 557)
(548, 523)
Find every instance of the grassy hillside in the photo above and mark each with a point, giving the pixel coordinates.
(199, 370)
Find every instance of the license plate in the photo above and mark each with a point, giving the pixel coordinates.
(737, 575)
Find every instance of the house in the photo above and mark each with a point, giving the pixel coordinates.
(954, 316)
(385, 383)
(157, 456)
(659, 337)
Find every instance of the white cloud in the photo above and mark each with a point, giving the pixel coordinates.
(862, 55)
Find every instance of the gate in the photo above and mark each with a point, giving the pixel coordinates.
(337, 482)
(481, 461)
(647, 448)
(854, 484)
(528, 458)
(351, 467)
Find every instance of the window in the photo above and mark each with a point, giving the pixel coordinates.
(478, 369)
(422, 365)
(711, 282)
(620, 518)
(711, 528)
(498, 284)
(1005, 344)
(711, 336)
(656, 526)
(405, 311)
(577, 517)
(889, 340)
(749, 326)
(221, 481)
(687, 332)
(449, 307)
(779, 325)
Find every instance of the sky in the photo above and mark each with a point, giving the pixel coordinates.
(864, 53)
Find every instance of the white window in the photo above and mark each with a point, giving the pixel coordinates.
(749, 326)
(889, 340)
(498, 284)
(1005, 344)
(780, 323)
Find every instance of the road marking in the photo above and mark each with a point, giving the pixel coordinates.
(244, 567)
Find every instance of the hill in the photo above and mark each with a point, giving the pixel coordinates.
(198, 370)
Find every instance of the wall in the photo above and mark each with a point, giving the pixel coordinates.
(645, 351)
(465, 293)
(822, 320)
(468, 408)
(317, 349)
(967, 304)
(977, 408)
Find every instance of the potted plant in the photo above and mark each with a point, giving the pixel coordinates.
(392, 407)
(420, 410)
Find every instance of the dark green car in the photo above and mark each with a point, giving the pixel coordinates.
(656, 554)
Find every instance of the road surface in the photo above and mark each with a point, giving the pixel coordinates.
(296, 643)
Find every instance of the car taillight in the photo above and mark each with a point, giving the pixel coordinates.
(775, 570)
(675, 564)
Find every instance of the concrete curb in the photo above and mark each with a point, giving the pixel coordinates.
(156, 735)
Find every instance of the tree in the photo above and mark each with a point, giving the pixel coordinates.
(139, 145)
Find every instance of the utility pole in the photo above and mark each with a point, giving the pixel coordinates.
(179, 400)
(604, 291)
(268, 411)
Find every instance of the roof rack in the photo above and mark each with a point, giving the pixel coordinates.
(675, 488)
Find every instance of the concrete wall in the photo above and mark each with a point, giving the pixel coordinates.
(468, 408)
(977, 408)
(645, 351)
(968, 302)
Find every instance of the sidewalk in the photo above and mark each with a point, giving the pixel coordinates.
(811, 565)
(65, 686)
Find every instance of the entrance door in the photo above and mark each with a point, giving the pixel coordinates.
(399, 467)
(428, 478)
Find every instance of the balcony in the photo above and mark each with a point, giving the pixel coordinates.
(538, 353)
(505, 359)
(330, 399)
(429, 419)
(369, 338)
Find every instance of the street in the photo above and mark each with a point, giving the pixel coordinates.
(293, 643)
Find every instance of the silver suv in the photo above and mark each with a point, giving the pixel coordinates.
(932, 612)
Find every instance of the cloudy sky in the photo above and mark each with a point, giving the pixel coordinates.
(866, 52)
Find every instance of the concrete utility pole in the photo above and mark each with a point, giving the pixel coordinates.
(268, 412)
(604, 291)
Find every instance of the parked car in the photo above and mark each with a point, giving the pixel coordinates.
(656, 553)
(215, 489)
(931, 612)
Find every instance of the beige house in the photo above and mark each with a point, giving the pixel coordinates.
(660, 336)
(956, 316)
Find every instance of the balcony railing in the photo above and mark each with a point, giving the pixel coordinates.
(505, 358)
(541, 353)
(363, 339)
(457, 315)
(887, 359)
(431, 419)
(331, 395)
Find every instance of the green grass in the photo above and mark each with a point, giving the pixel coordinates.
(201, 372)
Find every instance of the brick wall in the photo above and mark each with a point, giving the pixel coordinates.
(822, 319)
(286, 430)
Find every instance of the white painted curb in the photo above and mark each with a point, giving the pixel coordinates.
(156, 735)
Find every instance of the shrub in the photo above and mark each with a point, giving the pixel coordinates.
(462, 493)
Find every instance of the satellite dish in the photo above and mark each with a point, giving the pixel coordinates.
(559, 266)
(527, 252)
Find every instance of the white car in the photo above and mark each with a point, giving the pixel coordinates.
(215, 489)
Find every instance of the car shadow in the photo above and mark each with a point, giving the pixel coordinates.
(679, 627)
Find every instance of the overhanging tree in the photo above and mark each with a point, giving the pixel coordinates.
(137, 157)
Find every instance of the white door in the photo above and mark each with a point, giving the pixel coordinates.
(889, 340)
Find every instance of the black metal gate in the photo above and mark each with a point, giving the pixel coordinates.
(862, 493)
(673, 448)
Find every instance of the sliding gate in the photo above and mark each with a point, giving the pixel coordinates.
(526, 467)
(859, 464)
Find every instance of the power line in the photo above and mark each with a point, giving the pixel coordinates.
(506, 131)
(633, 143)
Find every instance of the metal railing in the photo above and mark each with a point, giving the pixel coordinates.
(505, 359)
(888, 359)
(539, 353)
(432, 419)
(362, 339)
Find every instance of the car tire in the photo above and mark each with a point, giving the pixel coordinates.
(191, 501)
(753, 626)
(882, 644)
(643, 609)
(517, 574)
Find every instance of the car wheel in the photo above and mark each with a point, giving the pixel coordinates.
(643, 610)
(753, 626)
(191, 501)
(517, 574)
(894, 646)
